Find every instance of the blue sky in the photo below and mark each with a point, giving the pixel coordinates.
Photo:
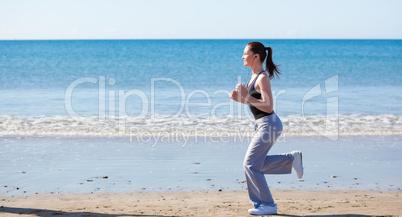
(201, 19)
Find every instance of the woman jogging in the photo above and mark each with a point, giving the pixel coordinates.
(268, 127)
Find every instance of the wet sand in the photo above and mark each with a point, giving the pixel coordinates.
(204, 203)
(115, 165)
(110, 177)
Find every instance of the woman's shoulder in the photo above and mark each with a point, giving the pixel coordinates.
(263, 78)
(264, 75)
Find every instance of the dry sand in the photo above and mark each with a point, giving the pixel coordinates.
(204, 203)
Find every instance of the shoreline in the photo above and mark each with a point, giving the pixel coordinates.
(204, 203)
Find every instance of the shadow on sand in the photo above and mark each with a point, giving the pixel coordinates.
(52, 213)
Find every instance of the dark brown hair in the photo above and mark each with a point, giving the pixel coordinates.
(258, 48)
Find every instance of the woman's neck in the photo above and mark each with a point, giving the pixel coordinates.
(257, 69)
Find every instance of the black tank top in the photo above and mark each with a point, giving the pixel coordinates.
(254, 93)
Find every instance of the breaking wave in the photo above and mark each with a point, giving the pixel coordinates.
(197, 126)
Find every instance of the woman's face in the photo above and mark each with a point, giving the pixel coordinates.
(248, 56)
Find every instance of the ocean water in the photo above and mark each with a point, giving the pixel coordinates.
(125, 87)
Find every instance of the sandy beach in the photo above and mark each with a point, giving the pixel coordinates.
(204, 203)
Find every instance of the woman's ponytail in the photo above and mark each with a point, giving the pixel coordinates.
(258, 48)
(270, 66)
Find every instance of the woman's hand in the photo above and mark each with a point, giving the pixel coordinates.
(240, 94)
(235, 96)
(242, 90)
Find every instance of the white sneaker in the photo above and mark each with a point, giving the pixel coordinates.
(264, 210)
(297, 163)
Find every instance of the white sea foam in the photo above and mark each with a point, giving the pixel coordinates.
(197, 126)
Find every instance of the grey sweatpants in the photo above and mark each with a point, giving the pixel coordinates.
(257, 163)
